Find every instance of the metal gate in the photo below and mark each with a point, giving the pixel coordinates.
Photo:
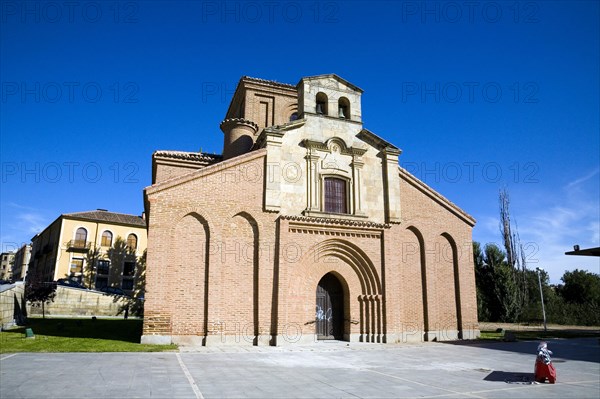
(330, 308)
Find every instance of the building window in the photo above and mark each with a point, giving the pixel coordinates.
(335, 195)
(102, 274)
(76, 270)
(132, 242)
(80, 237)
(103, 266)
(128, 272)
(343, 108)
(128, 269)
(321, 104)
(106, 239)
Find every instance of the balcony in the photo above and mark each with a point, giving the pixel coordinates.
(78, 245)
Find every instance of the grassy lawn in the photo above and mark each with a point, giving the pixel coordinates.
(78, 335)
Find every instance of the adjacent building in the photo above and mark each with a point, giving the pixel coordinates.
(6, 261)
(98, 249)
(21, 263)
(305, 228)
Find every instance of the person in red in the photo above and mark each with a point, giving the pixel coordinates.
(543, 365)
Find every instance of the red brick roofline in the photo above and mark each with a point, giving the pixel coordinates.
(437, 197)
(214, 168)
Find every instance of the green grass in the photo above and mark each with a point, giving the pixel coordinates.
(78, 335)
(529, 335)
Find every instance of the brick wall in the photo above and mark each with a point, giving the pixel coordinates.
(223, 271)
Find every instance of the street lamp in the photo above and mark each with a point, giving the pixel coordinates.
(542, 296)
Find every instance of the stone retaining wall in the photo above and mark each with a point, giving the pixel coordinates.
(74, 302)
(11, 305)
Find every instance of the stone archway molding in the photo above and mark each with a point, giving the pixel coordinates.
(370, 299)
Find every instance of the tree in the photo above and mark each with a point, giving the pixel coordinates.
(137, 307)
(40, 292)
(581, 287)
(481, 283)
(91, 265)
(515, 256)
(494, 283)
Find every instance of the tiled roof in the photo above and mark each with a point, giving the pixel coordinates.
(110, 217)
(189, 156)
(269, 82)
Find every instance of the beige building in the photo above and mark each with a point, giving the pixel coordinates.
(305, 229)
(6, 261)
(97, 249)
(22, 258)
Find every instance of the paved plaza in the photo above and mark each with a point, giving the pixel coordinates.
(323, 370)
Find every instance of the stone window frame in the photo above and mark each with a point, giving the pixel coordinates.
(347, 191)
(316, 152)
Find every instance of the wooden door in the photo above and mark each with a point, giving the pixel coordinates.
(330, 308)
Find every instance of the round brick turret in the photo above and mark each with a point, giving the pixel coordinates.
(239, 136)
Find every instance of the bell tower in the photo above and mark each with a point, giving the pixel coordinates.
(329, 96)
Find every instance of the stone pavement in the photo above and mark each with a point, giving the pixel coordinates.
(323, 370)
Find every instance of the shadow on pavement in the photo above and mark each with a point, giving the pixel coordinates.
(510, 377)
(582, 349)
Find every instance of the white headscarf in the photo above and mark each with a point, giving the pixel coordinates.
(543, 353)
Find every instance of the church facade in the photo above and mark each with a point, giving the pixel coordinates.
(305, 228)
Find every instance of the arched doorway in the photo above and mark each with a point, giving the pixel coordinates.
(329, 317)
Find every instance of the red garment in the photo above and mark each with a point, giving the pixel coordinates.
(543, 371)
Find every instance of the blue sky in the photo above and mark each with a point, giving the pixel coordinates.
(478, 95)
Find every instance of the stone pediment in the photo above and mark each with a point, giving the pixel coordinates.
(331, 80)
(335, 146)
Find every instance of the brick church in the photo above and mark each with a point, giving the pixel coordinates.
(305, 228)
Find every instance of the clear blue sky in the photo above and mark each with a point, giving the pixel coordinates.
(478, 97)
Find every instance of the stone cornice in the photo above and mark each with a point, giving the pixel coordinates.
(379, 143)
(276, 131)
(238, 121)
(332, 76)
(337, 222)
(325, 146)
